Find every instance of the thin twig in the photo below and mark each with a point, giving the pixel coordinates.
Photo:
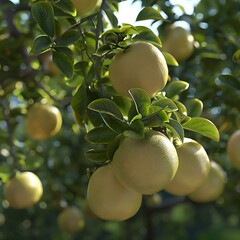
(99, 29)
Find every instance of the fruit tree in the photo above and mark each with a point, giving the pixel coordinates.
(112, 130)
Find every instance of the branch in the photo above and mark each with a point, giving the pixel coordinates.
(64, 102)
(99, 29)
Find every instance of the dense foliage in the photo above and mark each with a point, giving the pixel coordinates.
(46, 52)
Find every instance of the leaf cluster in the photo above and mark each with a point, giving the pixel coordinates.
(161, 113)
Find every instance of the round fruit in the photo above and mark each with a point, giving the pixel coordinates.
(71, 220)
(86, 6)
(142, 65)
(212, 187)
(43, 121)
(23, 190)
(233, 149)
(110, 200)
(179, 43)
(193, 169)
(146, 165)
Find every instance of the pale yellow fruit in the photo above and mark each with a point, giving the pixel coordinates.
(146, 165)
(213, 186)
(71, 220)
(23, 190)
(233, 149)
(179, 43)
(110, 200)
(193, 169)
(43, 121)
(142, 65)
(86, 6)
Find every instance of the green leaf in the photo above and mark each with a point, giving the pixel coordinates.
(136, 131)
(194, 107)
(66, 6)
(103, 50)
(112, 18)
(156, 117)
(133, 134)
(170, 59)
(202, 126)
(230, 80)
(236, 56)
(100, 135)
(67, 51)
(146, 34)
(181, 107)
(149, 13)
(94, 118)
(116, 124)
(41, 44)
(166, 104)
(75, 81)
(96, 155)
(176, 87)
(113, 146)
(123, 103)
(79, 103)
(64, 63)
(176, 129)
(106, 106)
(83, 68)
(68, 38)
(141, 100)
(125, 29)
(44, 15)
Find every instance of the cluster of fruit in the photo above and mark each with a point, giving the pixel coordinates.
(149, 165)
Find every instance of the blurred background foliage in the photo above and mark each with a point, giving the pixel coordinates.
(214, 76)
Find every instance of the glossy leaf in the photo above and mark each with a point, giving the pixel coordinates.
(194, 107)
(176, 129)
(141, 100)
(79, 103)
(66, 51)
(68, 38)
(96, 155)
(106, 106)
(100, 135)
(44, 15)
(146, 34)
(176, 87)
(170, 59)
(64, 63)
(149, 13)
(166, 104)
(202, 126)
(112, 18)
(41, 44)
(230, 80)
(136, 131)
(116, 124)
(156, 119)
(113, 146)
(66, 6)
